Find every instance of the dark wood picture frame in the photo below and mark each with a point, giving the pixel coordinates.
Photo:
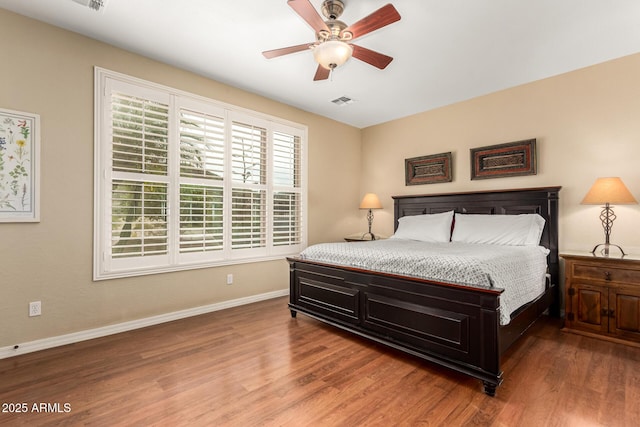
(431, 169)
(498, 161)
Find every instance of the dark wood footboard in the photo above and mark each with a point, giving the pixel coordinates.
(454, 326)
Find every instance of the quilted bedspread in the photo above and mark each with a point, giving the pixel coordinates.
(518, 270)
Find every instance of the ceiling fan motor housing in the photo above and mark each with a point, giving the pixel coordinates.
(332, 9)
(335, 28)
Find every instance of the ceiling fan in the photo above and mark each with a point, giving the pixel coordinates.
(333, 46)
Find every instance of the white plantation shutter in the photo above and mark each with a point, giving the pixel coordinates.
(138, 165)
(248, 154)
(248, 219)
(248, 195)
(139, 219)
(287, 224)
(286, 160)
(202, 155)
(201, 218)
(201, 145)
(184, 182)
(140, 134)
(287, 200)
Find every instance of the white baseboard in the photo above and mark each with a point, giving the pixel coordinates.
(88, 334)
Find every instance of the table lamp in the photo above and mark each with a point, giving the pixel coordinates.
(608, 191)
(370, 201)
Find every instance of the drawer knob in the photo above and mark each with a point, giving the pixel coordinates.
(607, 276)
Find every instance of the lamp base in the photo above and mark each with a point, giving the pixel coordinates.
(370, 221)
(605, 249)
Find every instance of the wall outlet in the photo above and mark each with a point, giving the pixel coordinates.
(229, 279)
(35, 308)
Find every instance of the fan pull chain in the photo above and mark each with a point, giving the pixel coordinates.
(331, 68)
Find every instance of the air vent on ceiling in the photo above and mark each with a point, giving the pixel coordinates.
(343, 100)
(92, 4)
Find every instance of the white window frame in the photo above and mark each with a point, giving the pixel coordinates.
(105, 267)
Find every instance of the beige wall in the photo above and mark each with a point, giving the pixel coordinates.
(587, 125)
(49, 71)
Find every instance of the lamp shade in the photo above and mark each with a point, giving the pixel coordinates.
(609, 190)
(332, 53)
(370, 201)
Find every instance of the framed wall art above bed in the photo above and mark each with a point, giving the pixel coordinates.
(503, 160)
(430, 169)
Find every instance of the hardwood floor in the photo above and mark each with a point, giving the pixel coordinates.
(255, 365)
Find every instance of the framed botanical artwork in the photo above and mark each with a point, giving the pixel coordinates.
(428, 169)
(19, 166)
(502, 160)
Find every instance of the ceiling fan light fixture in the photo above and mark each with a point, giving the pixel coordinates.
(332, 53)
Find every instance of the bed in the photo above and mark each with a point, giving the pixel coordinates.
(453, 325)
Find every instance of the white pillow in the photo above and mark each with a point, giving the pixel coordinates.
(426, 228)
(519, 230)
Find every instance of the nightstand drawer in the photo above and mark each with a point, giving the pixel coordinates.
(609, 274)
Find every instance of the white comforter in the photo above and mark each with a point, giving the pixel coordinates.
(519, 270)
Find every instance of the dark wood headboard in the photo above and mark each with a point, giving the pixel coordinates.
(543, 201)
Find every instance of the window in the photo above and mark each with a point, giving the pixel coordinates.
(187, 182)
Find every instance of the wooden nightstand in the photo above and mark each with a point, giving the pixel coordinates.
(602, 296)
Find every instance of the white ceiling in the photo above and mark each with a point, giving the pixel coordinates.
(444, 51)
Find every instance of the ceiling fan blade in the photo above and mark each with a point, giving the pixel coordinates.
(305, 9)
(371, 57)
(321, 73)
(384, 16)
(286, 50)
